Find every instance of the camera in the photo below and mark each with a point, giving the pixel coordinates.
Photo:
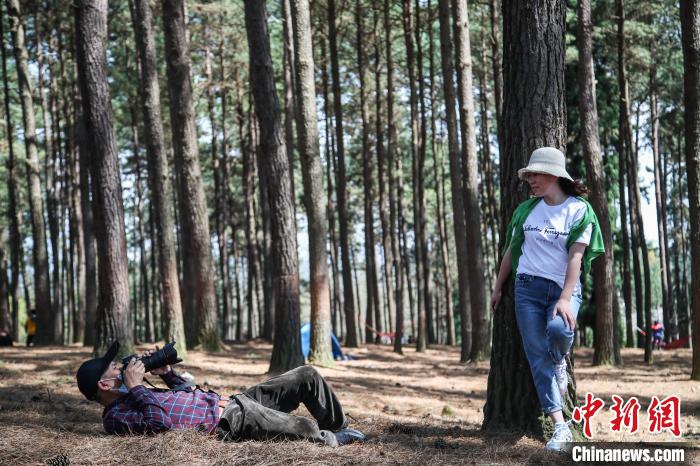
(161, 358)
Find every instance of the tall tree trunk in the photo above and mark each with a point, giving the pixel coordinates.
(633, 172)
(13, 194)
(198, 288)
(158, 176)
(286, 348)
(534, 115)
(312, 175)
(458, 220)
(603, 277)
(46, 317)
(479, 311)
(381, 162)
(225, 200)
(423, 266)
(51, 174)
(626, 148)
(408, 30)
(690, 30)
(668, 315)
(91, 36)
(391, 175)
(439, 183)
(368, 182)
(351, 340)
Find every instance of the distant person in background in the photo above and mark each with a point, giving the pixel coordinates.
(5, 338)
(30, 327)
(658, 332)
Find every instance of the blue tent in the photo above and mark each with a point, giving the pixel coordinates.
(306, 343)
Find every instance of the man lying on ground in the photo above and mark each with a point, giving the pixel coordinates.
(259, 413)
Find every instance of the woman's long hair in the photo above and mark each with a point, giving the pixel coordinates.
(573, 188)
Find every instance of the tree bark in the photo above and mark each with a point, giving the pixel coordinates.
(13, 195)
(458, 220)
(351, 339)
(625, 149)
(690, 33)
(198, 288)
(312, 175)
(91, 36)
(372, 306)
(534, 115)
(286, 348)
(479, 311)
(381, 162)
(440, 201)
(409, 30)
(603, 278)
(46, 330)
(158, 176)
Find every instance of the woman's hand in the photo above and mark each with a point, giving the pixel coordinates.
(160, 370)
(496, 297)
(563, 307)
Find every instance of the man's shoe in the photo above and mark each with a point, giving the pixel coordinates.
(349, 435)
(327, 438)
(561, 438)
(562, 377)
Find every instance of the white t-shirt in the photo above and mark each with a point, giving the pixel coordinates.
(544, 252)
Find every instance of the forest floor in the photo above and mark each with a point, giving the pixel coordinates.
(416, 408)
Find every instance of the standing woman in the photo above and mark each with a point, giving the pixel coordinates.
(550, 237)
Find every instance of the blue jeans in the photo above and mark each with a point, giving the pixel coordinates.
(546, 339)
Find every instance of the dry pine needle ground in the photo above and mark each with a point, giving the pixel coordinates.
(417, 409)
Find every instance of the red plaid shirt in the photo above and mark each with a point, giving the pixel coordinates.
(143, 410)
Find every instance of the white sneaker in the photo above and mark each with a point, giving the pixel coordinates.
(562, 377)
(561, 438)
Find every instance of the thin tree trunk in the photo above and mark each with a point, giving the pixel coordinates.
(388, 257)
(442, 229)
(46, 330)
(13, 195)
(625, 149)
(368, 183)
(314, 198)
(479, 310)
(690, 30)
(603, 278)
(158, 177)
(198, 287)
(91, 33)
(351, 340)
(286, 349)
(409, 22)
(660, 212)
(456, 180)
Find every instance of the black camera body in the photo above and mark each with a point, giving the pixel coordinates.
(165, 356)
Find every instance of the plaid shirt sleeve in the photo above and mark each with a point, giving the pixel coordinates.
(174, 380)
(140, 413)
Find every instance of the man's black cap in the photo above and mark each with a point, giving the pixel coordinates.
(91, 371)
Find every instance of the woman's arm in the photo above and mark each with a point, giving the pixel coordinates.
(573, 269)
(503, 274)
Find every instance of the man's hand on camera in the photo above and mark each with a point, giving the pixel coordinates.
(133, 374)
(160, 370)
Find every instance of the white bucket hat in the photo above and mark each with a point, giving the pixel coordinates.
(549, 160)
